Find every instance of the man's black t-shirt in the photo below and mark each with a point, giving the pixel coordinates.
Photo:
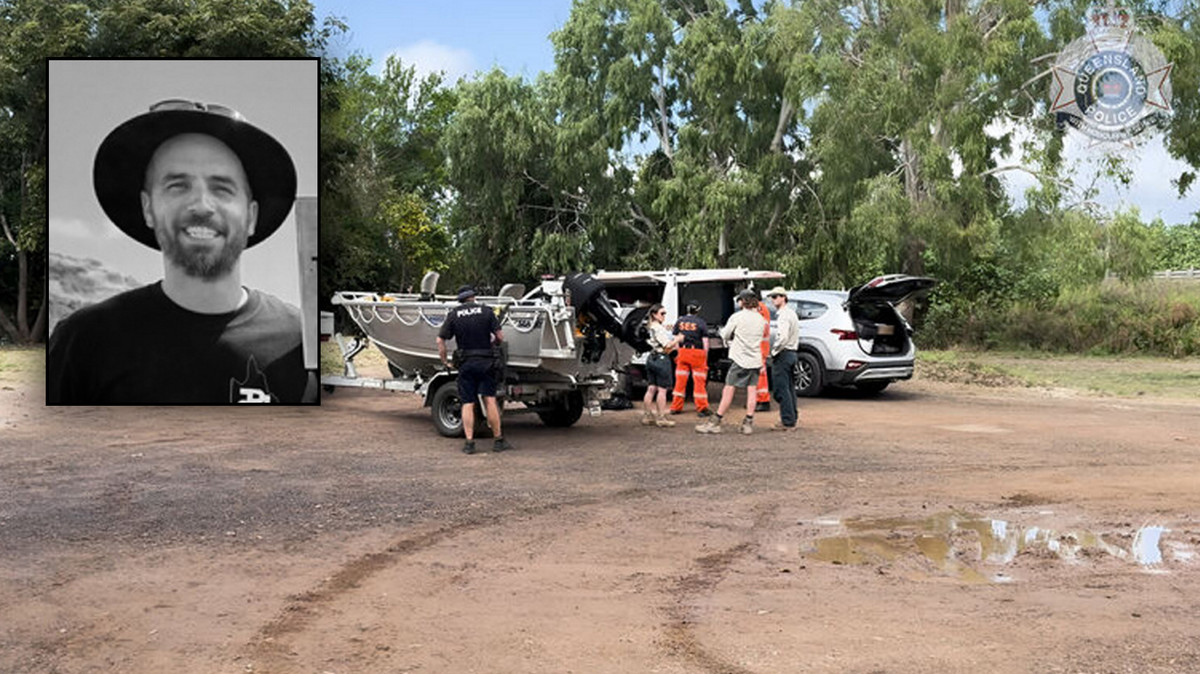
(470, 325)
(694, 329)
(139, 347)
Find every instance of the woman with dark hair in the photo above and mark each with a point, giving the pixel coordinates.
(660, 375)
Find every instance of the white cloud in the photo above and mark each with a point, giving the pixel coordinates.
(430, 57)
(76, 229)
(1150, 167)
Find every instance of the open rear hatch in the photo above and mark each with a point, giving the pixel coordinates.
(892, 288)
(881, 330)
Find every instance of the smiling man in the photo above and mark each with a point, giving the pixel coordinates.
(201, 184)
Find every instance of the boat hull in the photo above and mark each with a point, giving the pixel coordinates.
(543, 343)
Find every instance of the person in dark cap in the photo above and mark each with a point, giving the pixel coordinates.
(691, 359)
(201, 184)
(743, 333)
(476, 332)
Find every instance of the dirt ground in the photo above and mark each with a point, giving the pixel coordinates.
(935, 528)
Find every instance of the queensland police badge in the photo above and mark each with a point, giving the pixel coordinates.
(1111, 84)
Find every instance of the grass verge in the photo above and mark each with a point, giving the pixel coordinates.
(22, 364)
(369, 362)
(1099, 375)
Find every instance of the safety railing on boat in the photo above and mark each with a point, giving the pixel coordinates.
(521, 315)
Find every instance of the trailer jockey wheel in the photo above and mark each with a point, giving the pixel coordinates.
(447, 412)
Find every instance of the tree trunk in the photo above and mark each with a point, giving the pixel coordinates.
(39, 324)
(723, 246)
(912, 179)
(23, 294)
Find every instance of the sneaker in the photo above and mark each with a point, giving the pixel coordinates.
(709, 426)
(747, 428)
(778, 426)
(762, 407)
(469, 447)
(674, 411)
(501, 445)
(704, 413)
(663, 422)
(647, 419)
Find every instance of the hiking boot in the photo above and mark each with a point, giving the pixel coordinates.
(664, 422)
(704, 413)
(647, 419)
(747, 428)
(501, 445)
(763, 407)
(469, 447)
(674, 411)
(710, 425)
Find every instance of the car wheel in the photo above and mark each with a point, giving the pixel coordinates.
(872, 387)
(810, 376)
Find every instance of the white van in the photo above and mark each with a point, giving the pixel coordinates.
(713, 289)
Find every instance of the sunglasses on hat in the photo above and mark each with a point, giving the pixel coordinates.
(184, 104)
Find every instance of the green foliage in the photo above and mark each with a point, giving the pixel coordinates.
(1133, 247)
(1145, 318)
(1180, 247)
(382, 176)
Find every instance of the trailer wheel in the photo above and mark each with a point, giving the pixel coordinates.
(566, 412)
(447, 410)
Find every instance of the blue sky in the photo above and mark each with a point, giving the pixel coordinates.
(460, 37)
(466, 36)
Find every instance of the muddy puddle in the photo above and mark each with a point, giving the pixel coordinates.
(977, 549)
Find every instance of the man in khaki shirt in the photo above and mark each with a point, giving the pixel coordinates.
(743, 333)
(783, 359)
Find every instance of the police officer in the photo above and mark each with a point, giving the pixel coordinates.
(473, 326)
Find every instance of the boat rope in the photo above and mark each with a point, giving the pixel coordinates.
(531, 322)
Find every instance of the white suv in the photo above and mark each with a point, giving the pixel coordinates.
(856, 337)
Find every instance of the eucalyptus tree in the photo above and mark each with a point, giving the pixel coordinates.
(921, 100)
(693, 106)
(382, 176)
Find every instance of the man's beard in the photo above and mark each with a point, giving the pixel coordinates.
(199, 261)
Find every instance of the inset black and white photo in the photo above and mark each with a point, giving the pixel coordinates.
(175, 270)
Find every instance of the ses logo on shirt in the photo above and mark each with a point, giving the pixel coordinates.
(253, 389)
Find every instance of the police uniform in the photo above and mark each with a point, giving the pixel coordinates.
(691, 359)
(471, 326)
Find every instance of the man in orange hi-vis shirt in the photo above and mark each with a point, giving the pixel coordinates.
(764, 393)
(692, 358)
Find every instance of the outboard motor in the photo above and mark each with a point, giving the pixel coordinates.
(634, 331)
(429, 285)
(591, 303)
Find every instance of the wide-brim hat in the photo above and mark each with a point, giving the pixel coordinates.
(119, 172)
(777, 290)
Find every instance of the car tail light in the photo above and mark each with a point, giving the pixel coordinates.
(845, 335)
(853, 364)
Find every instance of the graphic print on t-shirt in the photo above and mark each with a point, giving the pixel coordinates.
(253, 389)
